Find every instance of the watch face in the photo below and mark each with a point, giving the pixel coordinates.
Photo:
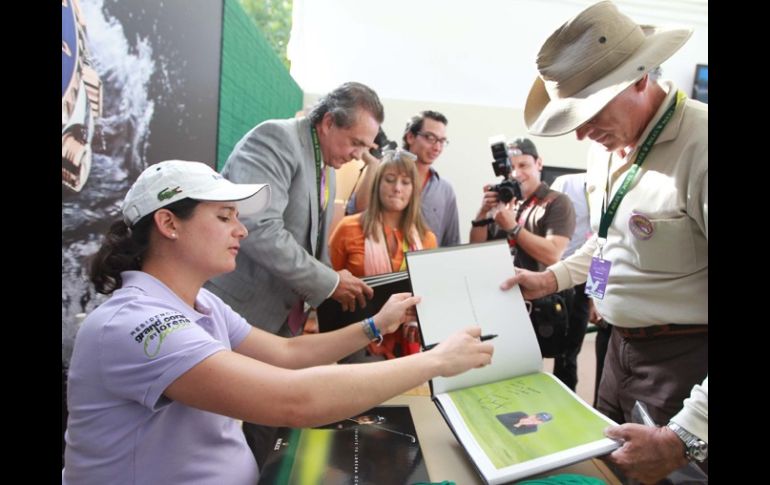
(695, 448)
(69, 45)
(699, 451)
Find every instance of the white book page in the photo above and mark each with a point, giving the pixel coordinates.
(460, 286)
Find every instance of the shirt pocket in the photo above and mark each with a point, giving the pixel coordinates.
(670, 248)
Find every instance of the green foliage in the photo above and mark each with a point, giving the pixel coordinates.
(273, 18)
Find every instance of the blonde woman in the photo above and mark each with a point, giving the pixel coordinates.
(374, 241)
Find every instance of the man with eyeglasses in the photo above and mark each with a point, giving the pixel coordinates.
(425, 136)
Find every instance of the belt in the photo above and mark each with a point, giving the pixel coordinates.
(660, 330)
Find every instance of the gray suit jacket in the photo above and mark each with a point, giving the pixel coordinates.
(276, 266)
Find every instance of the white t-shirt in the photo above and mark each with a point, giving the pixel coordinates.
(574, 185)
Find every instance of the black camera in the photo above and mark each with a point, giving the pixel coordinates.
(382, 143)
(508, 189)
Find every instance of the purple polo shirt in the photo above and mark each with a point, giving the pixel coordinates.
(121, 428)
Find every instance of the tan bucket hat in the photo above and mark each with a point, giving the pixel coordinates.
(588, 61)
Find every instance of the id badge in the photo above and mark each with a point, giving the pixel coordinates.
(598, 274)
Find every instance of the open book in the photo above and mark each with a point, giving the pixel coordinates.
(512, 419)
(377, 446)
(330, 313)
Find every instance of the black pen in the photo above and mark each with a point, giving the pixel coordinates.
(482, 338)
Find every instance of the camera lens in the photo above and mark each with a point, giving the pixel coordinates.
(508, 190)
(505, 194)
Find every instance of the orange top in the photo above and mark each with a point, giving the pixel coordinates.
(346, 246)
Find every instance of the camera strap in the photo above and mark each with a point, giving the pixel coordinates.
(524, 210)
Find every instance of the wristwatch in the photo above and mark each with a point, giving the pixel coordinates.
(695, 449)
(482, 222)
(514, 233)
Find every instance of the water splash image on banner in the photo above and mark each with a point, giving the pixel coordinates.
(119, 154)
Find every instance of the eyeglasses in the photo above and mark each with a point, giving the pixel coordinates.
(433, 139)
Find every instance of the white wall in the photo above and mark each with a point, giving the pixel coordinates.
(478, 53)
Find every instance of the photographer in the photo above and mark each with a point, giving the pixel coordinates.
(538, 225)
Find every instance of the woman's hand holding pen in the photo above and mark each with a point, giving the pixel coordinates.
(483, 338)
(463, 350)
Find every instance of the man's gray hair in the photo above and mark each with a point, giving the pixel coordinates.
(344, 102)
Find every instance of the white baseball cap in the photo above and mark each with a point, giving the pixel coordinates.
(167, 182)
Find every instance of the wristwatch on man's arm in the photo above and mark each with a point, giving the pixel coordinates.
(514, 232)
(695, 449)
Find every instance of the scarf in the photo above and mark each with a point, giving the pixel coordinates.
(376, 257)
(377, 261)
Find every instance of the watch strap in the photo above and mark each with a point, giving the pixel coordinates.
(695, 449)
(482, 222)
(514, 233)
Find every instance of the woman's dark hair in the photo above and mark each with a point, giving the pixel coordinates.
(124, 247)
(344, 102)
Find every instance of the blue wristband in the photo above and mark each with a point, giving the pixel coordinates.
(367, 330)
(377, 334)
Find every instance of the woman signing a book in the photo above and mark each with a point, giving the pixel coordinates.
(374, 241)
(163, 369)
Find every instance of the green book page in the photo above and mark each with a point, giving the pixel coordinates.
(525, 424)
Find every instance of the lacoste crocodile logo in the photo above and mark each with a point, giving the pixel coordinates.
(168, 193)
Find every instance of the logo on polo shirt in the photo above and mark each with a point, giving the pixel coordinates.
(152, 332)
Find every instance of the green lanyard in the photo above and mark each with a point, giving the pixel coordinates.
(323, 188)
(609, 214)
